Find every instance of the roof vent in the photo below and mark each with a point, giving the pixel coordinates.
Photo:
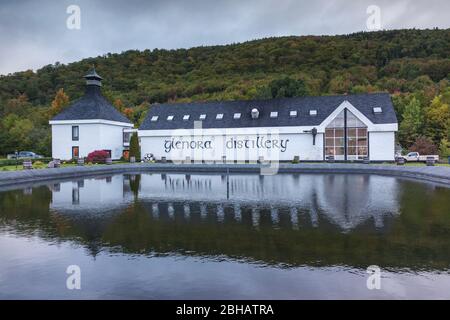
(377, 110)
(293, 114)
(313, 112)
(255, 113)
(93, 78)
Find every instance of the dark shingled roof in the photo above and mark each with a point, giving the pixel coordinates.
(324, 105)
(91, 106)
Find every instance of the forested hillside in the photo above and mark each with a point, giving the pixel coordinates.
(413, 65)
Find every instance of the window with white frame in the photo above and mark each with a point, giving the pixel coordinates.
(75, 133)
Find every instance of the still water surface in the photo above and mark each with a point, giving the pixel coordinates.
(176, 236)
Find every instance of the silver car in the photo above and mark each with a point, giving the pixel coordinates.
(28, 155)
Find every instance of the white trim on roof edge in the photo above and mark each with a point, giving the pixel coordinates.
(91, 121)
(349, 106)
(370, 125)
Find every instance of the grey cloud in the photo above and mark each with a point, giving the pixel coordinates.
(34, 33)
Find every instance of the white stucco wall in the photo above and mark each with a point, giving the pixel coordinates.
(215, 146)
(382, 146)
(92, 136)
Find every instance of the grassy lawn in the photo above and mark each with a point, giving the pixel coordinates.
(44, 166)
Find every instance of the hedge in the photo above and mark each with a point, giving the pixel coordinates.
(13, 162)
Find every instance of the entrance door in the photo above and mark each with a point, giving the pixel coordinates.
(75, 152)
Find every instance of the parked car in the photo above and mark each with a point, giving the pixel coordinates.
(25, 155)
(416, 157)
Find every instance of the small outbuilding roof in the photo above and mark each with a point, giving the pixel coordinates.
(300, 111)
(93, 105)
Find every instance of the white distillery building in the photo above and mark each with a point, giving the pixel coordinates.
(348, 127)
(90, 123)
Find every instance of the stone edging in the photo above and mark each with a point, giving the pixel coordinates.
(437, 174)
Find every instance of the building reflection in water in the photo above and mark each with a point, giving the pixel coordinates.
(90, 195)
(294, 201)
(285, 219)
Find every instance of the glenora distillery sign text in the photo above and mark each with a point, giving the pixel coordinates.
(259, 142)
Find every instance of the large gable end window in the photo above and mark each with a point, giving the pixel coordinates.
(75, 133)
(346, 137)
(356, 138)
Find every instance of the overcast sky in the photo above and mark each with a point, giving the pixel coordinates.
(34, 33)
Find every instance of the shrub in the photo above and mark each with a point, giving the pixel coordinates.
(97, 156)
(423, 145)
(13, 162)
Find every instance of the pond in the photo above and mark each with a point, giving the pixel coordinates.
(198, 236)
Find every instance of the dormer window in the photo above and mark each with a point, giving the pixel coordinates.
(186, 117)
(202, 117)
(169, 118)
(154, 118)
(313, 112)
(219, 116)
(377, 110)
(237, 116)
(293, 114)
(274, 114)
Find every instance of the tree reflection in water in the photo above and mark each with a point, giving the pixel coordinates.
(282, 220)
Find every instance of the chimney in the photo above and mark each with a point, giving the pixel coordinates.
(255, 113)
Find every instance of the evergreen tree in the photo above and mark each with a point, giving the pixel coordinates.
(135, 150)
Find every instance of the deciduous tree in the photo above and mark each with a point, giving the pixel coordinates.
(412, 125)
